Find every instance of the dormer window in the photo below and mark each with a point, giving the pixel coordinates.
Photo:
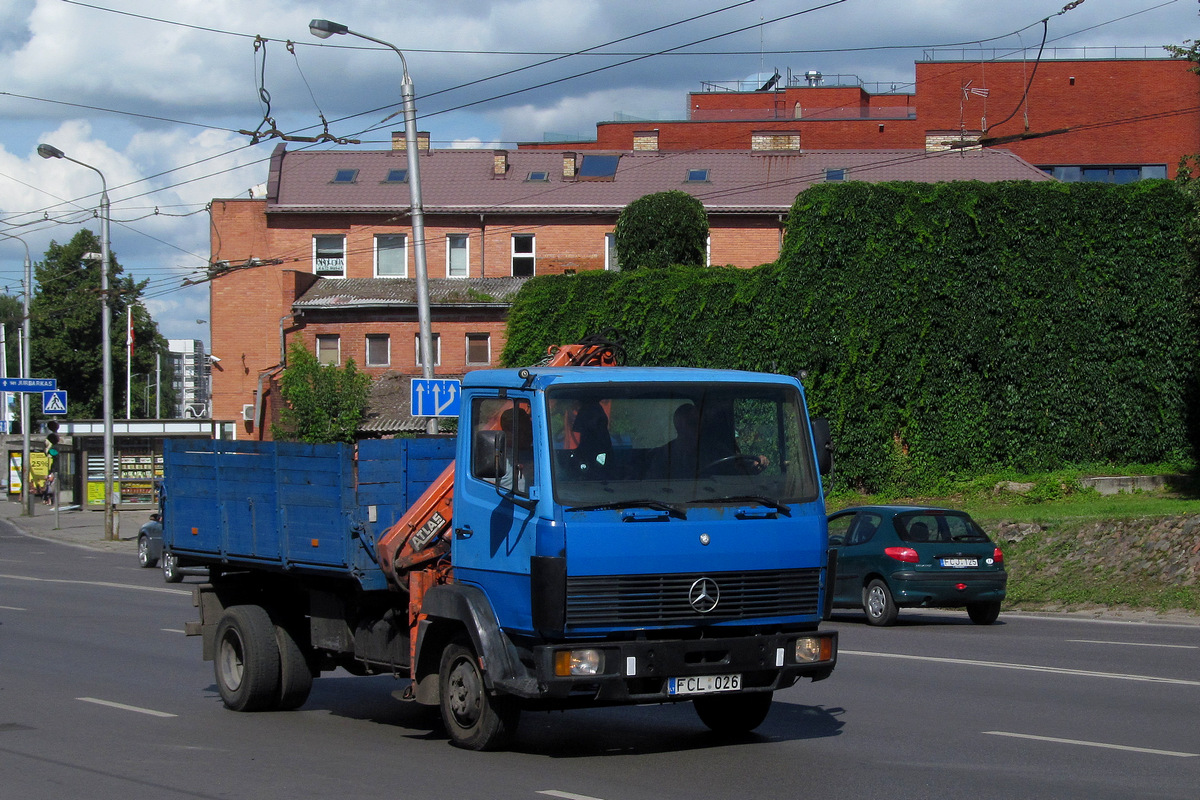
(345, 176)
(697, 176)
(397, 176)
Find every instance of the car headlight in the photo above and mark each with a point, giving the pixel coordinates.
(588, 661)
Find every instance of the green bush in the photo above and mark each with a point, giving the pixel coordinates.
(325, 403)
(662, 229)
(946, 330)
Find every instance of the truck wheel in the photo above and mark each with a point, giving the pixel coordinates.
(474, 719)
(295, 676)
(984, 613)
(170, 567)
(247, 659)
(879, 605)
(144, 558)
(733, 713)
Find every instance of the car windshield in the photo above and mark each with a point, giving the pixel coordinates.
(621, 444)
(939, 526)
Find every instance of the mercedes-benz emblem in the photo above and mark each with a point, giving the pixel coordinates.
(704, 595)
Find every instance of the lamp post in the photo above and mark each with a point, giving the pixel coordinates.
(323, 29)
(26, 495)
(50, 151)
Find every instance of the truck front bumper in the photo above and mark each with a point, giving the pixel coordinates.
(640, 671)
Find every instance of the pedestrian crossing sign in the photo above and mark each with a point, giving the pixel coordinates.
(54, 402)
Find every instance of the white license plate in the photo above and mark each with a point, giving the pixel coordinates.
(960, 562)
(704, 684)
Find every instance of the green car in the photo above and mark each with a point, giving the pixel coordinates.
(892, 557)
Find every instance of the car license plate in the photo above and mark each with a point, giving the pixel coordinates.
(704, 684)
(960, 562)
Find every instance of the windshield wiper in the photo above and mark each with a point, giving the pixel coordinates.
(750, 498)
(657, 505)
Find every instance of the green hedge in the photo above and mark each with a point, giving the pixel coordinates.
(946, 329)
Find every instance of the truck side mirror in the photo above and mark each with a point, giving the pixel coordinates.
(823, 442)
(488, 455)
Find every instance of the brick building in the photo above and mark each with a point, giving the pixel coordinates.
(325, 258)
(1112, 119)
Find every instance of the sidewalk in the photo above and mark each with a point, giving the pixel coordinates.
(79, 528)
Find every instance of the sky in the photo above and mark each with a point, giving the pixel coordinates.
(163, 97)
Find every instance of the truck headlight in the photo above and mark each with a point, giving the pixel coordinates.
(810, 649)
(578, 662)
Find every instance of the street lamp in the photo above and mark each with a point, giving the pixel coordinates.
(323, 29)
(26, 369)
(50, 151)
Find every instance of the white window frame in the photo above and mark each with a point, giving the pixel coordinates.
(316, 266)
(403, 249)
(387, 349)
(611, 262)
(337, 340)
(437, 350)
(487, 338)
(466, 249)
(514, 255)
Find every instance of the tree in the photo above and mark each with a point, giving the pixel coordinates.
(662, 229)
(325, 403)
(65, 325)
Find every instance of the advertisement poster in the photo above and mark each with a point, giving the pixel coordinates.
(40, 467)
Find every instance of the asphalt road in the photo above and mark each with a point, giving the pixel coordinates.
(101, 696)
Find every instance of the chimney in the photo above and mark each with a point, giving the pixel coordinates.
(568, 166)
(399, 143)
(499, 163)
(645, 140)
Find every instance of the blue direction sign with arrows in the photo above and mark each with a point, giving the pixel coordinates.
(436, 398)
(28, 384)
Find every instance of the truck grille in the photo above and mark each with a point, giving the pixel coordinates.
(648, 600)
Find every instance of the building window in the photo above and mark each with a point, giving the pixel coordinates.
(697, 176)
(397, 176)
(598, 168)
(457, 255)
(437, 349)
(610, 253)
(329, 256)
(538, 176)
(391, 256)
(522, 255)
(345, 176)
(1108, 174)
(479, 348)
(379, 347)
(835, 174)
(328, 348)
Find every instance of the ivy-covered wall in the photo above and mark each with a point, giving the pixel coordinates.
(945, 329)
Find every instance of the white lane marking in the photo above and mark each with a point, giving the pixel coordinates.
(1026, 667)
(173, 630)
(98, 583)
(13, 608)
(1047, 616)
(566, 795)
(1083, 743)
(1136, 644)
(151, 712)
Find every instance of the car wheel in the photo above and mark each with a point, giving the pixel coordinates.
(879, 605)
(246, 663)
(144, 558)
(733, 713)
(170, 568)
(474, 719)
(295, 676)
(984, 613)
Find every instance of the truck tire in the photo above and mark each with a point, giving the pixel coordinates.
(474, 719)
(247, 659)
(730, 714)
(295, 676)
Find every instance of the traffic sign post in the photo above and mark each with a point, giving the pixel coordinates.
(436, 398)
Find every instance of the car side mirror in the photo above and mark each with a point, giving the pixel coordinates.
(823, 442)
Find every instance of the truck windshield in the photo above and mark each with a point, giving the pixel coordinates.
(693, 444)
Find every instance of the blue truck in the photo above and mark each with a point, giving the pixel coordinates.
(589, 537)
